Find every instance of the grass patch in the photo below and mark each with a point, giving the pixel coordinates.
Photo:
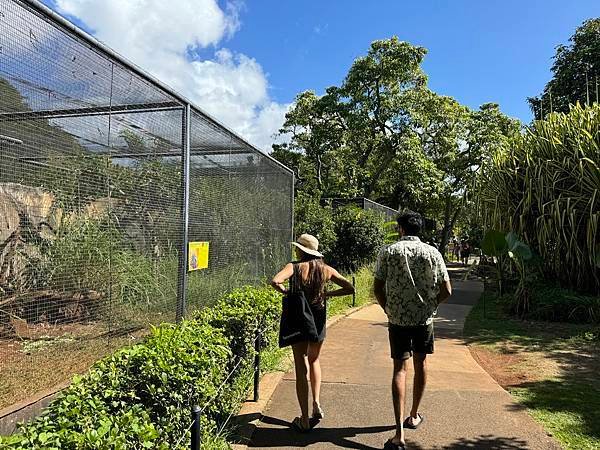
(565, 399)
(364, 293)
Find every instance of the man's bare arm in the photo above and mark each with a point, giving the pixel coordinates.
(445, 291)
(379, 291)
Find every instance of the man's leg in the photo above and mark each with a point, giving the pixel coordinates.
(399, 396)
(423, 343)
(400, 349)
(420, 381)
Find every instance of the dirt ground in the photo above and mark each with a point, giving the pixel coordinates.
(51, 355)
(512, 365)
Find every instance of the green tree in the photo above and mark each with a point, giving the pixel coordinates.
(458, 141)
(353, 133)
(576, 73)
(384, 135)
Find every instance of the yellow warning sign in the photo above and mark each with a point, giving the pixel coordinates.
(198, 255)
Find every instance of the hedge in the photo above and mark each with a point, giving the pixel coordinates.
(140, 397)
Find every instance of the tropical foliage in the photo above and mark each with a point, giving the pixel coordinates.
(546, 189)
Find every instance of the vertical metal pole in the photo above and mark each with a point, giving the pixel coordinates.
(185, 216)
(195, 428)
(354, 293)
(257, 365)
(293, 237)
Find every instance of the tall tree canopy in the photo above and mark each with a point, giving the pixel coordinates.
(383, 134)
(576, 73)
(353, 133)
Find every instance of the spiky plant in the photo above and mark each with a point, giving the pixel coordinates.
(546, 189)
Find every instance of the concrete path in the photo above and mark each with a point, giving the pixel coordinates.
(463, 406)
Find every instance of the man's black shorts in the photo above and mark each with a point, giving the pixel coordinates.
(406, 340)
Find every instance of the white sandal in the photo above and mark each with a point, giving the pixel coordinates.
(318, 413)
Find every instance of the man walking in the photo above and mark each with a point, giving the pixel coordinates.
(411, 280)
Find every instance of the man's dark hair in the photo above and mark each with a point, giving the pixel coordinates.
(411, 222)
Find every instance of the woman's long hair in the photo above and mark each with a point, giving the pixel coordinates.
(314, 285)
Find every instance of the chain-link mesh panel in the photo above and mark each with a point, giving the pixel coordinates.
(91, 203)
(240, 202)
(386, 212)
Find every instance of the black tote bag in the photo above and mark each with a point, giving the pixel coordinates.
(297, 321)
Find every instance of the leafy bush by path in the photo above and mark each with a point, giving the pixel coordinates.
(140, 397)
(312, 218)
(360, 234)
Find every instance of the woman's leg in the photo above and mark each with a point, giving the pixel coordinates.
(300, 350)
(314, 351)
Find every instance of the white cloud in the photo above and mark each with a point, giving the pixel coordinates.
(158, 35)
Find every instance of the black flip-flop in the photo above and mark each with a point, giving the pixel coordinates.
(389, 445)
(410, 426)
(297, 425)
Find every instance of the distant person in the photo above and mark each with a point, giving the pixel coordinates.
(311, 275)
(411, 280)
(465, 252)
(456, 249)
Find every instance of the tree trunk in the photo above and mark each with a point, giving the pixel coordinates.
(449, 222)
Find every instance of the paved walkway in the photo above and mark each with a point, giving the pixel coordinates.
(463, 406)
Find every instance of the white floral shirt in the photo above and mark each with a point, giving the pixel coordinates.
(413, 273)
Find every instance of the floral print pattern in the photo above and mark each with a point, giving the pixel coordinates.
(413, 272)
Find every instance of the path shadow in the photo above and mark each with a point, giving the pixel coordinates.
(287, 437)
(340, 437)
(483, 442)
(573, 389)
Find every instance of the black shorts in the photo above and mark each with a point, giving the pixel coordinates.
(406, 340)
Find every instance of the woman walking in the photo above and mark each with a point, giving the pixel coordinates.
(310, 275)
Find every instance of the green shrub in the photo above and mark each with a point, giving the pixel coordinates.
(140, 397)
(360, 235)
(312, 218)
(555, 304)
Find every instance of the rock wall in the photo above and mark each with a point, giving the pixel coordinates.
(27, 216)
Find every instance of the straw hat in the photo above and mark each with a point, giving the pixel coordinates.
(308, 244)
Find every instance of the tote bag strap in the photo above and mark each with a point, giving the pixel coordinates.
(294, 282)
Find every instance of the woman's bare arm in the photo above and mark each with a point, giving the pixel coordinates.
(346, 287)
(281, 277)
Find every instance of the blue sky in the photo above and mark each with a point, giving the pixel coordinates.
(244, 62)
(479, 51)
